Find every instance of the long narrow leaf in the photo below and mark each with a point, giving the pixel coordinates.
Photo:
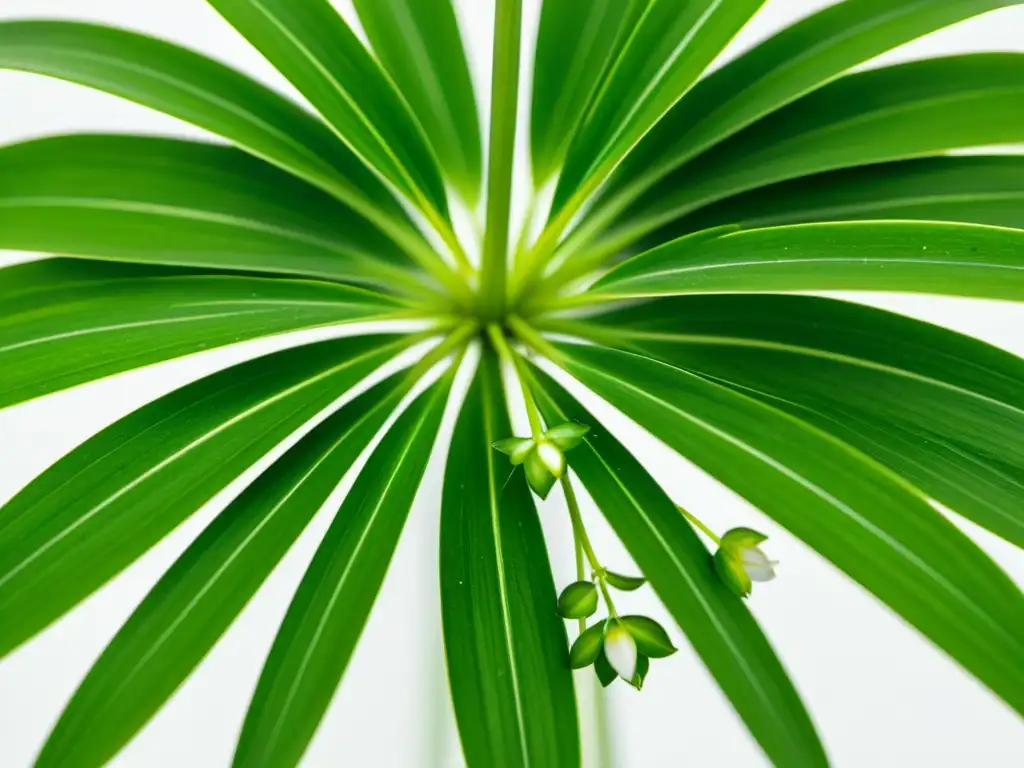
(508, 660)
(163, 201)
(942, 409)
(955, 259)
(796, 61)
(311, 45)
(868, 522)
(666, 49)
(986, 189)
(573, 50)
(678, 566)
(196, 601)
(65, 322)
(419, 44)
(919, 109)
(330, 608)
(204, 92)
(107, 502)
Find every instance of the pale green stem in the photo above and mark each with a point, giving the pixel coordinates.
(505, 353)
(707, 531)
(581, 534)
(504, 105)
(529, 336)
(455, 340)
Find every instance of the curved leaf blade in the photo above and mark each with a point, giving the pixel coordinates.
(195, 602)
(508, 660)
(205, 93)
(333, 601)
(164, 201)
(942, 409)
(678, 566)
(921, 257)
(419, 44)
(67, 322)
(666, 48)
(574, 48)
(918, 109)
(103, 505)
(868, 522)
(786, 66)
(310, 44)
(985, 189)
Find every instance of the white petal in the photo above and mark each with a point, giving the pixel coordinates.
(757, 565)
(552, 458)
(620, 649)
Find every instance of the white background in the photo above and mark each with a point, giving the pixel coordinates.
(880, 694)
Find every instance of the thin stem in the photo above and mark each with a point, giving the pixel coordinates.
(529, 336)
(581, 573)
(456, 339)
(693, 519)
(505, 353)
(581, 533)
(508, 21)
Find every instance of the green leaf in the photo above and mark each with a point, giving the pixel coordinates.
(942, 409)
(604, 671)
(310, 44)
(66, 322)
(419, 44)
(205, 93)
(911, 110)
(330, 608)
(717, 623)
(578, 600)
(625, 583)
(643, 666)
(508, 664)
(651, 638)
(789, 64)
(516, 448)
(573, 50)
(107, 502)
(920, 257)
(588, 648)
(977, 189)
(667, 47)
(871, 524)
(163, 201)
(659, 54)
(566, 436)
(196, 601)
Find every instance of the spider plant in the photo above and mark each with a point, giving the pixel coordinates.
(680, 214)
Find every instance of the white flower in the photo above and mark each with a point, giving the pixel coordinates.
(739, 560)
(620, 650)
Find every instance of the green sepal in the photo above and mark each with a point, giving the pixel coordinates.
(742, 538)
(643, 666)
(730, 570)
(604, 671)
(567, 436)
(578, 600)
(651, 638)
(538, 476)
(516, 448)
(587, 647)
(624, 583)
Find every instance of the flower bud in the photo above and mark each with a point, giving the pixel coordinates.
(739, 560)
(620, 649)
(578, 600)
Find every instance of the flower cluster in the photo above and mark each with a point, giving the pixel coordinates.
(543, 457)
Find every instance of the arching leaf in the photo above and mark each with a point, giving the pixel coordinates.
(107, 502)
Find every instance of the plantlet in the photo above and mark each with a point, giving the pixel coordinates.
(681, 213)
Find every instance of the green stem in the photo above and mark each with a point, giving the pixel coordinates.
(505, 353)
(455, 340)
(508, 23)
(580, 533)
(693, 519)
(533, 339)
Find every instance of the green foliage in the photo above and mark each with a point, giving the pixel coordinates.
(687, 207)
